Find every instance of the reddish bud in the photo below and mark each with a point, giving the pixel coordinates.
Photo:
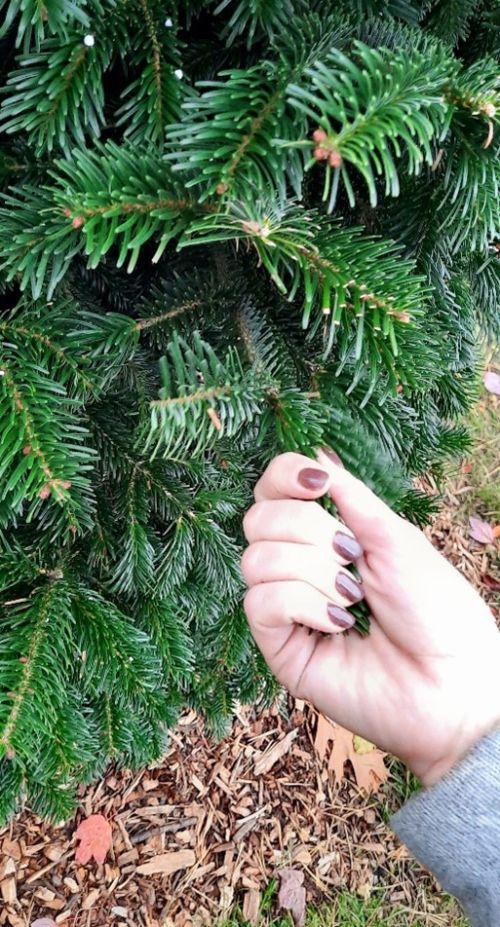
(66, 484)
(319, 135)
(221, 188)
(45, 491)
(320, 154)
(27, 450)
(67, 212)
(335, 159)
(23, 659)
(78, 222)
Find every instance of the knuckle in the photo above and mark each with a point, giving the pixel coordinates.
(252, 603)
(250, 563)
(251, 520)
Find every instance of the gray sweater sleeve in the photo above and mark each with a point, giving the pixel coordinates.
(453, 828)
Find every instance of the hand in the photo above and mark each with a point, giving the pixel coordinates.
(423, 684)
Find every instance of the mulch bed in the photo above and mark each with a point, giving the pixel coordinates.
(233, 824)
(240, 827)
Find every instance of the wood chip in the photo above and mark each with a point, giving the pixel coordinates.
(91, 899)
(270, 757)
(167, 863)
(251, 906)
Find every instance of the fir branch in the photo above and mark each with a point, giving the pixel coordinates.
(252, 17)
(152, 101)
(227, 134)
(36, 18)
(56, 95)
(43, 455)
(32, 685)
(354, 287)
(368, 110)
(189, 417)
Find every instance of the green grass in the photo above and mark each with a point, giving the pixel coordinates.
(484, 477)
(349, 911)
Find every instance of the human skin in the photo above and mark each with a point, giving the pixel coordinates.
(424, 684)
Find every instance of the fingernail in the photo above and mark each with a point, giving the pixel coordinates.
(349, 587)
(333, 456)
(311, 478)
(340, 616)
(346, 546)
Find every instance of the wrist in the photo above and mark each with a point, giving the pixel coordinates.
(463, 745)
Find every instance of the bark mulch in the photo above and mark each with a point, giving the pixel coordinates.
(213, 823)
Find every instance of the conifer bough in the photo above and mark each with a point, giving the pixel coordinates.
(227, 229)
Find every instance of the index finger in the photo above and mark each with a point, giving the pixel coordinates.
(292, 476)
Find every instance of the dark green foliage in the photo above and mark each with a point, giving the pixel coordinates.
(227, 229)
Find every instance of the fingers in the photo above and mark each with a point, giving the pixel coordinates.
(301, 523)
(371, 520)
(293, 476)
(278, 561)
(271, 607)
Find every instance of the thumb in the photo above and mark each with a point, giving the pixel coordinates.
(370, 519)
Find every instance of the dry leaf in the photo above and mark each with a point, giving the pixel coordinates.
(44, 922)
(292, 894)
(491, 582)
(367, 761)
(94, 834)
(361, 745)
(492, 382)
(481, 531)
(251, 906)
(271, 756)
(167, 863)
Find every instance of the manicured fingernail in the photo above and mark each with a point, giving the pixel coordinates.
(349, 587)
(311, 478)
(333, 456)
(339, 616)
(346, 546)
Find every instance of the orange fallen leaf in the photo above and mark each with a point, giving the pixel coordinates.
(94, 834)
(367, 761)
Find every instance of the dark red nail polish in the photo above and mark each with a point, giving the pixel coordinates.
(311, 478)
(346, 546)
(333, 456)
(339, 616)
(349, 587)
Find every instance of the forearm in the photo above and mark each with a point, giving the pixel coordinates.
(454, 829)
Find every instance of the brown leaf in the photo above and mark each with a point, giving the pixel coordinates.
(271, 756)
(44, 922)
(367, 761)
(94, 834)
(167, 863)
(492, 382)
(481, 531)
(251, 906)
(292, 894)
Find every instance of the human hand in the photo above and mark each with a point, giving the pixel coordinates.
(423, 684)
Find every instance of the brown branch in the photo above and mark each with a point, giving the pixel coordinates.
(202, 394)
(143, 324)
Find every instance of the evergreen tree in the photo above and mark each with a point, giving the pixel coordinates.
(228, 228)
